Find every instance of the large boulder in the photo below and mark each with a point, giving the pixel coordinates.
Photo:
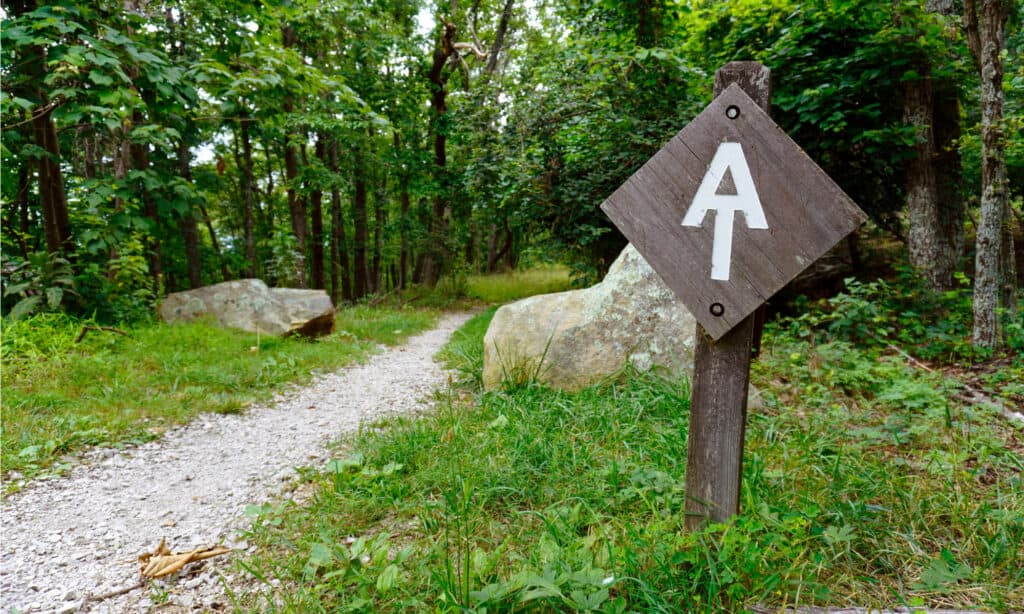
(249, 305)
(572, 339)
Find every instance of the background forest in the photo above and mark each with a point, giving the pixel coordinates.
(364, 147)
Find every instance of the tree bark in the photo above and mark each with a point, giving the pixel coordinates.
(948, 174)
(56, 222)
(499, 38)
(17, 218)
(296, 205)
(317, 228)
(248, 196)
(187, 223)
(140, 162)
(984, 25)
(925, 247)
(341, 283)
(361, 273)
(405, 201)
(437, 252)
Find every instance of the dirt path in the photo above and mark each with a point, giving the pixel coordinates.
(67, 541)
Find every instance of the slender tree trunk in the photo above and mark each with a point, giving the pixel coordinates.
(645, 28)
(187, 222)
(248, 196)
(140, 162)
(948, 174)
(379, 201)
(56, 221)
(437, 241)
(18, 217)
(403, 220)
(1008, 268)
(225, 272)
(986, 35)
(499, 38)
(296, 205)
(492, 249)
(317, 226)
(341, 283)
(361, 273)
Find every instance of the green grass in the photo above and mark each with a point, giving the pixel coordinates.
(506, 287)
(60, 396)
(865, 484)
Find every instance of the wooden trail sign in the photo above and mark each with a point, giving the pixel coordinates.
(727, 213)
(731, 210)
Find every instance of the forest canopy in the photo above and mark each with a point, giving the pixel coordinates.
(366, 146)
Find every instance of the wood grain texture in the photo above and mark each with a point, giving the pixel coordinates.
(721, 377)
(807, 212)
(718, 414)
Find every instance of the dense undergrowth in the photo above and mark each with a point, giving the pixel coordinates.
(61, 395)
(868, 481)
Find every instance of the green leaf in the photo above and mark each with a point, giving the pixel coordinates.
(100, 79)
(25, 306)
(54, 297)
(387, 578)
(942, 572)
(320, 555)
(30, 452)
(17, 288)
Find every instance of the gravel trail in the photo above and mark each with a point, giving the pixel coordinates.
(67, 541)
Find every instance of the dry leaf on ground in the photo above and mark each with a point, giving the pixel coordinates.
(162, 562)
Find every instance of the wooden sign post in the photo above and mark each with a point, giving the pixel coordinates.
(728, 212)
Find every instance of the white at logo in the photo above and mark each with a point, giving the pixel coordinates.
(728, 158)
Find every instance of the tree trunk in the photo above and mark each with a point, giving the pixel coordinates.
(379, 200)
(403, 254)
(296, 205)
(645, 25)
(187, 223)
(1008, 268)
(437, 245)
(248, 196)
(17, 218)
(56, 222)
(986, 35)
(948, 173)
(499, 38)
(341, 283)
(492, 249)
(140, 162)
(926, 249)
(361, 272)
(317, 227)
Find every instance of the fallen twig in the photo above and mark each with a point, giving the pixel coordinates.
(108, 595)
(109, 329)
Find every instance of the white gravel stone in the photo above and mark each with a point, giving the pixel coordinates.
(92, 532)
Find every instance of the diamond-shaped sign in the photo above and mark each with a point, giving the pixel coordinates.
(730, 211)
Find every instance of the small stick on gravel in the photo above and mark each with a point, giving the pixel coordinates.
(114, 593)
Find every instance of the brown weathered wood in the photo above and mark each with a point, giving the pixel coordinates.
(806, 212)
(718, 413)
(721, 376)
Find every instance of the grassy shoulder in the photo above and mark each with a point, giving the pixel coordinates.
(60, 396)
(866, 482)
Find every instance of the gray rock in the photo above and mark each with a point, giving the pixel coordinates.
(572, 339)
(249, 305)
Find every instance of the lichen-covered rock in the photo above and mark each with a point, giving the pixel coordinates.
(572, 339)
(249, 305)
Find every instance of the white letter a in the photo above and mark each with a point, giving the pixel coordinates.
(728, 158)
